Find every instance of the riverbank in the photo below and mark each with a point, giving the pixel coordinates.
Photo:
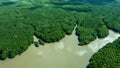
(63, 54)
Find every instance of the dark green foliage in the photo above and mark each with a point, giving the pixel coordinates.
(99, 1)
(18, 25)
(36, 44)
(41, 42)
(16, 40)
(12, 53)
(78, 9)
(89, 27)
(15, 36)
(4, 54)
(66, 3)
(8, 3)
(55, 27)
(107, 57)
(85, 35)
(112, 20)
(102, 31)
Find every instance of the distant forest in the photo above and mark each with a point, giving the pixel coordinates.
(51, 20)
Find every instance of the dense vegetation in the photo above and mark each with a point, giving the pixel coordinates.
(18, 25)
(107, 57)
(88, 32)
(50, 21)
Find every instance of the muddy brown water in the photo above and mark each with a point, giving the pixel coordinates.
(63, 54)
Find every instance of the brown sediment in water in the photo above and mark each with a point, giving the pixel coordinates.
(63, 54)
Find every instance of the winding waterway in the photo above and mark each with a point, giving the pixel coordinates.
(63, 54)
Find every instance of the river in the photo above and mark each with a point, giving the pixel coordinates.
(63, 54)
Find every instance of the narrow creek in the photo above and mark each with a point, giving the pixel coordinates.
(63, 54)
